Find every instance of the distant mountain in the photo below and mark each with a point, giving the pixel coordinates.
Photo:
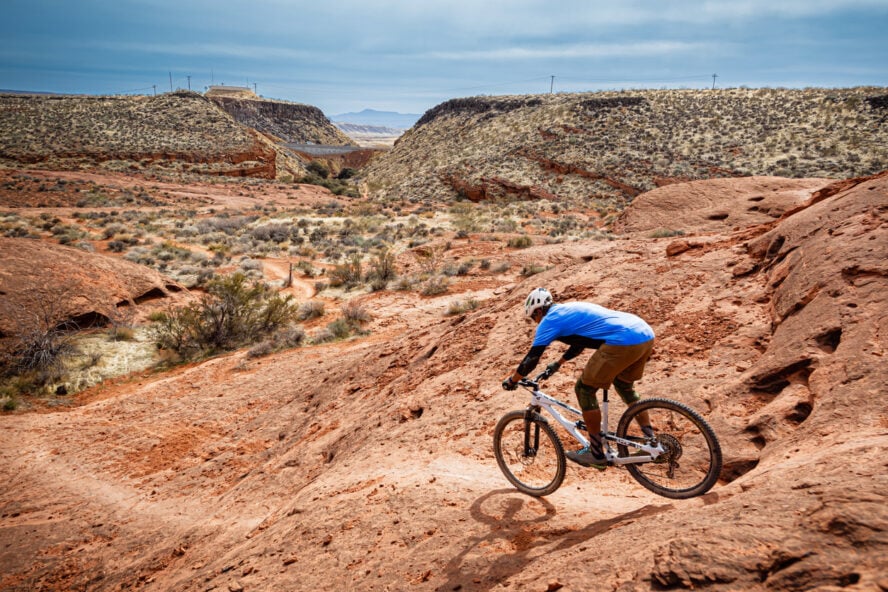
(4, 91)
(390, 119)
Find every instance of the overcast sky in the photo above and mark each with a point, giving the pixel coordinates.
(410, 55)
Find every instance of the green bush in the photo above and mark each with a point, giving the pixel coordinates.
(316, 168)
(233, 313)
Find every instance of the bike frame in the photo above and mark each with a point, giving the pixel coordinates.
(539, 399)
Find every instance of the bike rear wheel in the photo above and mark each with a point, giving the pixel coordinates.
(529, 453)
(693, 458)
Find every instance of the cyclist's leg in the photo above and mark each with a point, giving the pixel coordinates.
(624, 381)
(591, 413)
(598, 373)
(627, 392)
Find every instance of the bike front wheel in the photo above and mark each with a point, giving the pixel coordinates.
(529, 453)
(693, 457)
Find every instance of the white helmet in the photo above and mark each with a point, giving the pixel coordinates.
(537, 299)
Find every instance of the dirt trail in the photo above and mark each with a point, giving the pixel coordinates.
(278, 270)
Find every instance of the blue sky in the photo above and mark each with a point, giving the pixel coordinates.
(410, 55)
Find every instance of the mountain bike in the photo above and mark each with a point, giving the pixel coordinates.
(682, 460)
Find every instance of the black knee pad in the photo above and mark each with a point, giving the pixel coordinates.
(586, 396)
(626, 391)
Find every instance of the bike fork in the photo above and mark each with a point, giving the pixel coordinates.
(531, 441)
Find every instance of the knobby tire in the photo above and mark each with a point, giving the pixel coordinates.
(694, 458)
(532, 459)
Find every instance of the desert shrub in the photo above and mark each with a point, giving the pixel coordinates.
(316, 168)
(8, 399)
(520, 242)
(666, 232)
(306, 268)
(340, 328)
(232, 313)
(261, 349)
(382, 266)
(248, 264)
(348, 274)
(224, 224)
(116, 246)
(312, 309)
(532, 269)
(406, 283)
(285, 338)
(276, 233)
(42, 346)
(460, 306)
(355, 313)
(292, 336)
(121, 334)
(485, 264)
(435, 285)
(112, 230)
(465, 218)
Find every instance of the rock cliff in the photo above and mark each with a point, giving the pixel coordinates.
(290, 122)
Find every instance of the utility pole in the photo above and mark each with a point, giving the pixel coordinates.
(171, 82)
(154, 86)
(714, 76)
(189, 83)
(254, 89)
(552, 84)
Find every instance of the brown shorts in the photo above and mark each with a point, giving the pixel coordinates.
(625, 362)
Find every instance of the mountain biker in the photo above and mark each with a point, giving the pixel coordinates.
(623, 342)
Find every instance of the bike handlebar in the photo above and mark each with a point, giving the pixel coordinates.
(535, 383)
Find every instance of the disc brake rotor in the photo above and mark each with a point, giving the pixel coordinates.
(673, 452)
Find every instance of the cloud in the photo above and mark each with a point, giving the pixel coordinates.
(575, 51)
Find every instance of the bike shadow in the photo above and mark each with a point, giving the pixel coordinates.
(518, 527)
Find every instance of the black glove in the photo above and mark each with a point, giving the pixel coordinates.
(551, 369)
(509, 384)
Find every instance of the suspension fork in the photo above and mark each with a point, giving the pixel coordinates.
(531, 442)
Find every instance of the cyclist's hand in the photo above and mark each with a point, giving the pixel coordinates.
(509, 384)
(550, 370)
